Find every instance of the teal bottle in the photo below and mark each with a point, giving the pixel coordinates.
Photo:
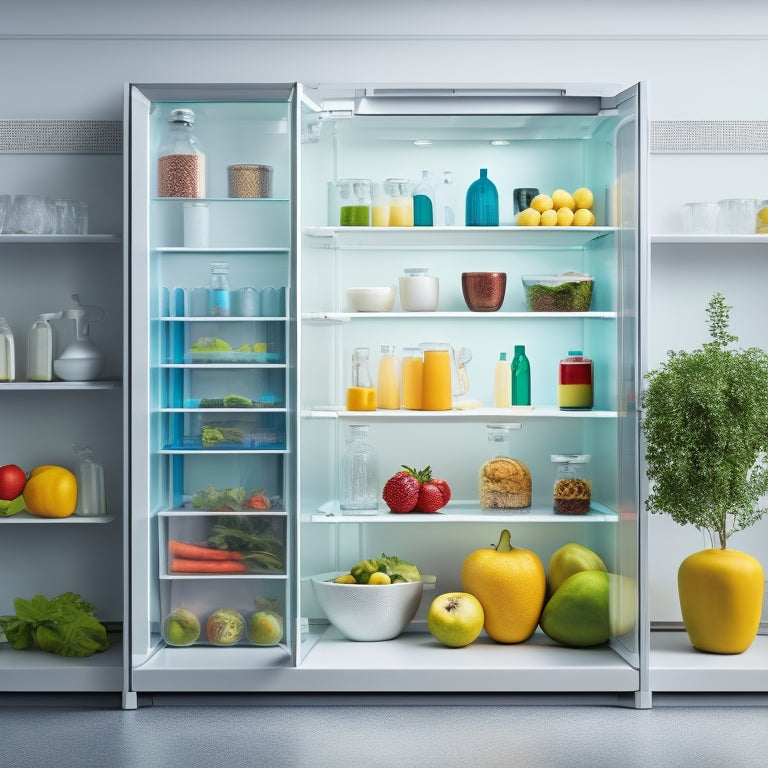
(521, 377)
(423, 203)
(482, 208)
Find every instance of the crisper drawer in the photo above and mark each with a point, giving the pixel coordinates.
(224, 544)
(237, 431)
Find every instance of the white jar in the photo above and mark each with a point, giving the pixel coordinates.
(419, 291)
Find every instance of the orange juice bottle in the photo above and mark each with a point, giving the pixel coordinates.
(436, 381)
(361, 396)
(388, 379)
(412, 376)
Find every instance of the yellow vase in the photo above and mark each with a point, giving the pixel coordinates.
(721, 598)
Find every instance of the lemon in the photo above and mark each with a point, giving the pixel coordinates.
(530, 217)
(548, 218)
(583, 197)
(564, 217)
(762, 215)
(563, 199)
(346, 578)
(583, 217)
(379, 578)
(542, 203)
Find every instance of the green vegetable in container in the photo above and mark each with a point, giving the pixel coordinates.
(210, 344)
(394, 567)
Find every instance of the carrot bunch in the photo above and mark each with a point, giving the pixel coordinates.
(197, 558)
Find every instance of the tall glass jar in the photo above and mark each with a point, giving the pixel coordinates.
(219, 294)
(572, 491)
(361, 395)
(181, 161)
(359, 482)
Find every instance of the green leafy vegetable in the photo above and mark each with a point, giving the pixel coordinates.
(394, 567)
(253, 537)
(64, 625)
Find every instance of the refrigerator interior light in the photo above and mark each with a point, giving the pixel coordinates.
(423, 142)
(499, 142)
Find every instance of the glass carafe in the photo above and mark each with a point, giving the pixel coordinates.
(359, 482)
(181, 161)
(361, 395)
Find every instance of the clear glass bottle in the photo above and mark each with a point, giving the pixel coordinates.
(521, 377)
(40, 348)
(181, 161)
(388, 379)
(219, 293)
(482, 208)
(361, 395)
(91, 500)
(423, 202)
(359, 482)
(7, 352)
(446, 209)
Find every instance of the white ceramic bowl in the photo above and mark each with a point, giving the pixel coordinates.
(365, 611)
(375, 299)
(77, 368)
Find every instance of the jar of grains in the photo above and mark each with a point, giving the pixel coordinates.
(181, 162)
(573, 489)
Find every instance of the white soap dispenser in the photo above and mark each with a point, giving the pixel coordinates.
(40, 348)
(81, 360)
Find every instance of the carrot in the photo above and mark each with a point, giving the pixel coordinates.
(185, 565)
(200, 552)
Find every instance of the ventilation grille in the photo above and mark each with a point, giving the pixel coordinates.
(75, 136)
(709, 136)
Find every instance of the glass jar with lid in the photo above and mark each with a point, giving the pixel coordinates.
(572, 491)
(181, 161)
(419, 291)
(504, 483)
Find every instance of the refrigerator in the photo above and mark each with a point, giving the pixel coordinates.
(291, 364)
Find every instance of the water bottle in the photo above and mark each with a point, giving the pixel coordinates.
(521, 377)
(218, 290)
(40, 348)
(359, 474)
(91, 501)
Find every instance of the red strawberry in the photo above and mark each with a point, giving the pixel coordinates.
(401, 491)
(430, 498)
(444, 488)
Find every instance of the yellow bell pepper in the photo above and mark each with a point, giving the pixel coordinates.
(51, 491)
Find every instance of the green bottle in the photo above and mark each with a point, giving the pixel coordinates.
(521, 377)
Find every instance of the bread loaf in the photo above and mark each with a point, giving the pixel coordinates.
(505, 484)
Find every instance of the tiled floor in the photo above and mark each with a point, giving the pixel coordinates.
(371, 736)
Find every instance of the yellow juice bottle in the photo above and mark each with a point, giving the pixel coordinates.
(412, 378)
(361, 396)
(436, 382)
(388, 379)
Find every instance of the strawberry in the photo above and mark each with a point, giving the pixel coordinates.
(430, 498)
(444, 488)
(401, 491)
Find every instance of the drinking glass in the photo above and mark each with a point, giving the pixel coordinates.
(5, 204)
(700, 218)
(737, 215)
(30, 215)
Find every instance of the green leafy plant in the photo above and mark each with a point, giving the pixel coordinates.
(704, 415)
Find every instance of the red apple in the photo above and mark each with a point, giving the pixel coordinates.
(12, 481)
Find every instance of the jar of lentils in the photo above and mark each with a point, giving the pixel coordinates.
(572, 491)
(181, 163)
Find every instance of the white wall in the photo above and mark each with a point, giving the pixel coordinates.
(702, 62)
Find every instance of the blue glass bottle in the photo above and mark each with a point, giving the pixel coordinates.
(423, 198)
(482, 202)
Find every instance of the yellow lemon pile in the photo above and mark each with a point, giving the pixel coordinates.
(560, 209)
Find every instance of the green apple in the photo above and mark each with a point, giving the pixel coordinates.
(569, 559)
(265, 628)
(455, 618)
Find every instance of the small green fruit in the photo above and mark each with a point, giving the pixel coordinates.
(225, 626)
(181, 627)
(455, 618)
(12, 507)
(569, 559)
(265, 628)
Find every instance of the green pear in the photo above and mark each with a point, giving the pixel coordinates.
(589, 608)
(569, 559)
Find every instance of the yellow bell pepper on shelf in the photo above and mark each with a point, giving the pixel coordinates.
(51, 491)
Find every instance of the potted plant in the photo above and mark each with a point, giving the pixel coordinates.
(704, 415)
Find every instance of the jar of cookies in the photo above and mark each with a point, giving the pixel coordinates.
(504, 482)
(572, 490)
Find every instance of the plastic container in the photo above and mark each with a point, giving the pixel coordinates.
(572, 490)
(181, 161)
(482, 205)
(361, 395)
(568, 292)
(419, 291)
(359, 469)
(575, 388)
(388, 379)
(502, 382)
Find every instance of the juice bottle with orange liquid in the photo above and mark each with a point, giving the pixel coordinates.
(388, 379)
(412, 376)
(436, 381)
(361, 396)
